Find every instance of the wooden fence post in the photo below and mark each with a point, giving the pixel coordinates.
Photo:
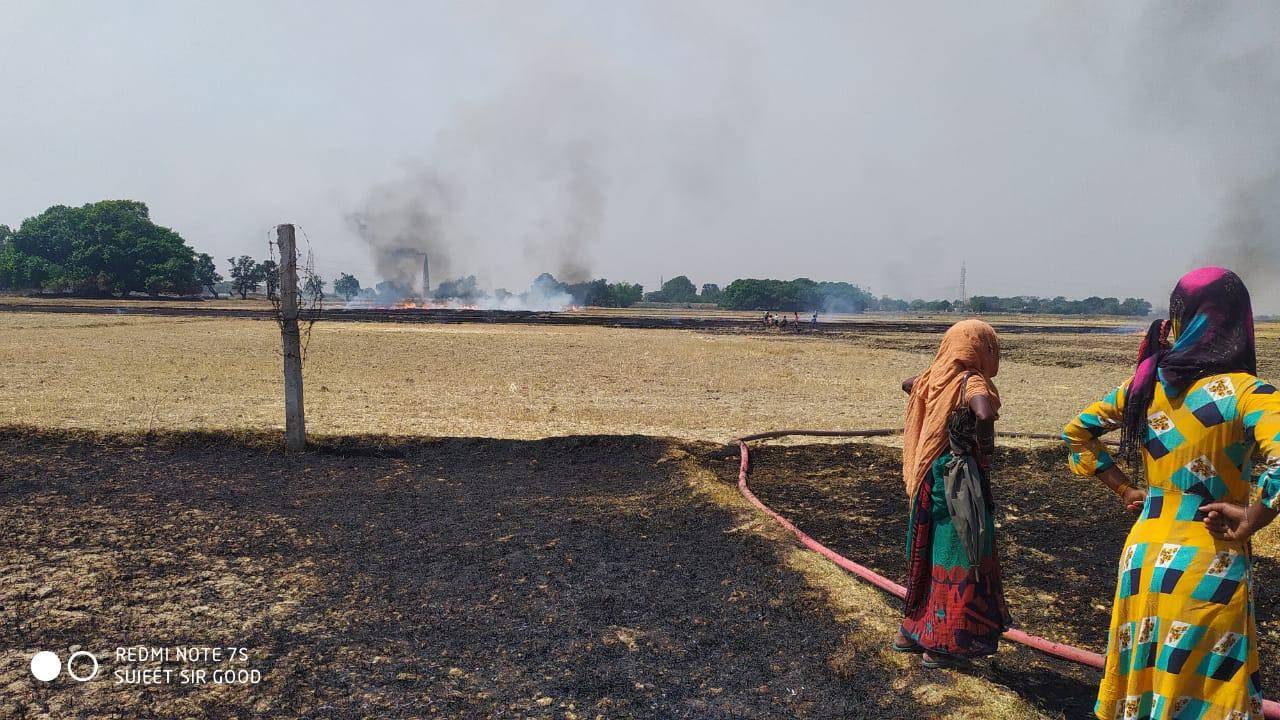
(295, 428)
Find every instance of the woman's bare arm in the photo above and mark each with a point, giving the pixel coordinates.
(983, 409)
(1228, 521)
(908, 384)
(1115, 479)
(984, 412)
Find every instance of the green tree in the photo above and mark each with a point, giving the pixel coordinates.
(801, 294)
(271, 276)
(107, 247)
(347, 286)
(1060, 305)
(710, 293)
(836, 297)
(623, 294)
(1135, 306)
(983, 304)
(207, 274)
(679, 289)
(753, 294)
(390, 291)
(931, 305)
(8, 259)
(464, 289)
(891, 304)
(546, 285)
(246, 275)
(313, 287)
(593, 293)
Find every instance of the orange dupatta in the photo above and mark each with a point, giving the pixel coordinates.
(969, 346)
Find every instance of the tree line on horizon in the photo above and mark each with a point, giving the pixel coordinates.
(103, 248)
(805, 295)
(112, 248)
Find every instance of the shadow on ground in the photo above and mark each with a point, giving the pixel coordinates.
(574, 577)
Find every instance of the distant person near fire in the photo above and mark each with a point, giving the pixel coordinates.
(1183, 642)
(955, 606)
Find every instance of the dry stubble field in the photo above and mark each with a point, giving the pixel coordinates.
(583, 577)
(137, 373)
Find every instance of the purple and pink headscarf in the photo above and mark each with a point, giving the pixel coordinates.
(1211, 323)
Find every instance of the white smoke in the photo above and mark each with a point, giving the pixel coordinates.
(541, 296)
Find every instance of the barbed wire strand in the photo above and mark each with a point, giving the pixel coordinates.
(309, 287)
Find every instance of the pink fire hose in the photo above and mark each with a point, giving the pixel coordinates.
(1270, 708)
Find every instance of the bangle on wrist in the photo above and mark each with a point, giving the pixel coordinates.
(1123, 488)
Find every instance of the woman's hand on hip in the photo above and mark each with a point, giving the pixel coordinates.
(1115, 479)
(1228, 521)
(1134, 498)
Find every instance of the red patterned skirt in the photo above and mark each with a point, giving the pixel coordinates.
(952, 607)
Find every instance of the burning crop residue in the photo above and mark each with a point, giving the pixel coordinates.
(414, 304)
(409, 304)
(545, 294)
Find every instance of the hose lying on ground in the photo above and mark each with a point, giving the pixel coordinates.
(1270, 708)
(883, 432)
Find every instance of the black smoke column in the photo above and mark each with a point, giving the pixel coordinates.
(426, 277)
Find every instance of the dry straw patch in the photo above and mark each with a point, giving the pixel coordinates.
(518, 381)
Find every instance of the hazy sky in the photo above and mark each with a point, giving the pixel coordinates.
(1070, 149)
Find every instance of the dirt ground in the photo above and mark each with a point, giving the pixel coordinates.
(463, 578)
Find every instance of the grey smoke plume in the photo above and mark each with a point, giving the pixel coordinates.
(1249, 241)
(1210, 74)
(515, 188)
(874, 142)
(402, 220)
(522, 183)
(584, 187)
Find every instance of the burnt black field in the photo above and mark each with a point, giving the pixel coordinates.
(475, 578)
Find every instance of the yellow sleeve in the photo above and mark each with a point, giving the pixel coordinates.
(1088, 455)
(1261, 408)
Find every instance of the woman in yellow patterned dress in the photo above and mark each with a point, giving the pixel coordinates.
(1182, 643)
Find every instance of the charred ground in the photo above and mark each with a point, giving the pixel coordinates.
(568, 577)
(460, 578)
(1060, 537)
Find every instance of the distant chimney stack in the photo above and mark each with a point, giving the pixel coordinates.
(426, 277)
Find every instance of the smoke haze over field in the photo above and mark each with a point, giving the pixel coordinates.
(1057, 148)
(1210, 73)
(520, 183)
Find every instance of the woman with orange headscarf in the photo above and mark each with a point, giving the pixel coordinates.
(955, 605)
